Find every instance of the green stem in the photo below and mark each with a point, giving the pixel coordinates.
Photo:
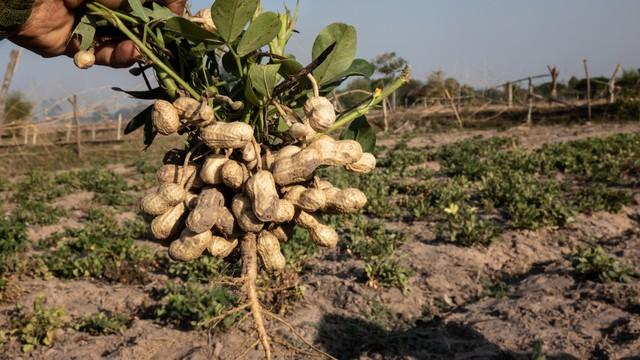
(237, 59)
(362, 110)
(145, 50)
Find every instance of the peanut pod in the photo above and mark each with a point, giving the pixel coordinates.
(221, 248)
(169, 224)
(261, 189)
(234, 135)
(190, 245)
(205, 215)
(243, 212)
(165, 117)
(321, 234)
(365, 165)
(268, 248)
(320, 113)
(211, 172)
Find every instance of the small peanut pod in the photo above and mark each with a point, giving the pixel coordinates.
(172, 194)
(234, 174)
(347, 201)
(320, 112)
(165, 117)
(285, 212)
(261, 189)
(225, 223)
(211, 172)
(365, 165)
(243, 212)
(321, 234)
(283, 232)
(169, 224)
(309, 200)
(249, 153)
(234, 135)
(193, 111)
(84, 59)
(222, 248)
(154, 204)
(337, 153)
(170, 173)
(298, 168)
(302, 132)
(205, 215)
(190, 245)
(268, 248)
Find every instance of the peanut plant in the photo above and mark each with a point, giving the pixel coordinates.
(257, 125)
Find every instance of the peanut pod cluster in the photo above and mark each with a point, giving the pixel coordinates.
(238, 186)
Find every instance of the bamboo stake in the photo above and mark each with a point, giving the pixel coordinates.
(611, 88)
(455, 109)
(586, 73)
(530, 98)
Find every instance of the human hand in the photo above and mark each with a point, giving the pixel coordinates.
(48, 32)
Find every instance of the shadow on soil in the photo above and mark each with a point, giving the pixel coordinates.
(351, 338)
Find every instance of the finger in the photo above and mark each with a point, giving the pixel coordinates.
(177, 6)
(117, 55)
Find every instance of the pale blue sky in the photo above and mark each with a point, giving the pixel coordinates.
(481, 42)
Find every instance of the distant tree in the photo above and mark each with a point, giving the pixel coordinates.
(17, 107)
(389, 64)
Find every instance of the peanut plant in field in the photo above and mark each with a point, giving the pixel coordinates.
(257, 126)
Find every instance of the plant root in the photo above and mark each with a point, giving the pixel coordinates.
(250, 272)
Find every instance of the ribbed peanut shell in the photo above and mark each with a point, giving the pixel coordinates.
(298, 168)
(312, 200)
(268, 248)
(226, 222)
(165, 117)
(285, 152)
(249, 153)
(205, 215)
(172, 194)
(243, 212)
(261, 189)
(170, 224)
(321, 234)
(300, 131)
(285, 212)
(346, 201)
(234, 135)
(234, 174)
(84, 59)
(365, 165)
(281, 233)
(211, 171)
(322, 184)
(171, 173)
(221, 248)
(337, 153)
(294, 193)
(187, 107)
(190, 245)
(320, 112)
(153, 204)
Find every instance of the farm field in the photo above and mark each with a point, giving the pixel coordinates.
(515, 244)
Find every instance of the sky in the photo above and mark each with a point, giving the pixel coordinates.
(480, 42)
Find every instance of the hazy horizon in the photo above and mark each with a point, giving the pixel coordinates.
(479, 43)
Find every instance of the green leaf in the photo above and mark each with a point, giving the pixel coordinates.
(359, 67)
(87, 32)
(138, 10)
(261, 31)
(139, 120)
(290, 66)
(250, 94)
(161, 12)
(361, 131)
(263, 78)
(342, 56)
(191, 31)
(231, 16)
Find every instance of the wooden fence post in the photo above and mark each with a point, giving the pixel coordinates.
(93, 132)
(76, 120)
(509, 94)
(68, 133)
(454, 107)
(119, 135)
(554, 81)
(34, 139)
(26, 135)
(611, 87)
(530, 98)
(586, 74)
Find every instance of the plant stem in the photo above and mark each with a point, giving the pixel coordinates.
(362, 110)
(143, 48)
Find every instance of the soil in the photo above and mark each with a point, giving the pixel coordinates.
(463, 303)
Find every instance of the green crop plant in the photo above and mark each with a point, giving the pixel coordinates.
(37, 327)
(465, 227)
(102, 323)
(594, 263)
